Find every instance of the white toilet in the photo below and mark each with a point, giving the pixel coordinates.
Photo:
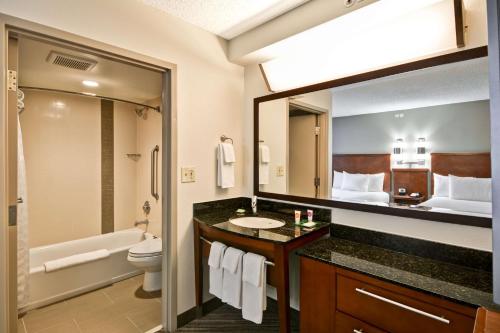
(147, 255)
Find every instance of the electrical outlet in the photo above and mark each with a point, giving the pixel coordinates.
(188, 175)
(280, 171)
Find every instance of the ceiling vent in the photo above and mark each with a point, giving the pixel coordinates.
(70, 61)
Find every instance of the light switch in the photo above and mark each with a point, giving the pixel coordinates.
(280, 171)
(188, 175)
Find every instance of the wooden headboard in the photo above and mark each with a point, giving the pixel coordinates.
(364, 163)
(461, 165)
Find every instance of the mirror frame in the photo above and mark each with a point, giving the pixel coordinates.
(449, 58)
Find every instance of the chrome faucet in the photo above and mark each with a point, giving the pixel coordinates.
(254, 204)
(146, 208)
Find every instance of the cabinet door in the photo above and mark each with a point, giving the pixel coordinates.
(397, 312)
(317, 296)
(348, 324)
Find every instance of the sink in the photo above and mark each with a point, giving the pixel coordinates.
(257, 222)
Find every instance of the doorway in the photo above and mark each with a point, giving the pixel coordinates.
(307, 141)
(89, 161)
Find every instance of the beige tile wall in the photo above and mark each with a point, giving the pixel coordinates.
(149, 134)
(61, 135)
(125, 135)
(133, 178)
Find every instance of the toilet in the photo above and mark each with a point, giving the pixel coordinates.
(147, 255)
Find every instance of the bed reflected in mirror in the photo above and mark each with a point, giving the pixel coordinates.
(419, 141)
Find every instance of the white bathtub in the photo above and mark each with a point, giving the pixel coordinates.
(46, 288)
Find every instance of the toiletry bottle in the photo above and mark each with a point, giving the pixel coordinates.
(297, 216)
(309, 215)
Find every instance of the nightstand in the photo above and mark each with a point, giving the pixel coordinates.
(406, 199)
(413, 180)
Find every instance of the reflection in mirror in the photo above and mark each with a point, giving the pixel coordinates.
(418, 140)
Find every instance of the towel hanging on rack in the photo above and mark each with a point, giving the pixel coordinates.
(225, 171)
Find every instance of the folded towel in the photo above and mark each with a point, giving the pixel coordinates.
(265, 156)
(254, 299)
(263, 174)
(225, 171)
(215, 268)
(77, 259)
(231, 280)
(228, 152)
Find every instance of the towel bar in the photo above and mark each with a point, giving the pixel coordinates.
(270, 263)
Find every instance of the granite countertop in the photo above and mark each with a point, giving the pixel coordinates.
(219, 216)
(454, 282)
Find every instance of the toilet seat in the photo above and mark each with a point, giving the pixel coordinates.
(147, 248)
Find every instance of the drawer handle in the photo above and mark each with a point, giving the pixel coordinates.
(403, 306)
(357, 331)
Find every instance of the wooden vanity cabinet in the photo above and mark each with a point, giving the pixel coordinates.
(336, 300)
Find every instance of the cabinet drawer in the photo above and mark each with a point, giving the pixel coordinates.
(396, 312)
(348, 324)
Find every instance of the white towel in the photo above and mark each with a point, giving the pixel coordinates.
(254, 287)
(77, 259)
(265, 156)
(228, 152)
(215, 268)
(263, 174)
(225, 171)
(231, 280)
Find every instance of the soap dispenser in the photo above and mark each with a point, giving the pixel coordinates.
(254, 204)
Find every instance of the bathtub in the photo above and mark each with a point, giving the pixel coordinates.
(46, 288)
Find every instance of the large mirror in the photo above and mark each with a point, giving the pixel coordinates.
(416, 143)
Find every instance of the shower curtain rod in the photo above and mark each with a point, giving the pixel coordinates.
(155, 108)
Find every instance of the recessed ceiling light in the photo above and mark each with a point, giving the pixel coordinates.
(88, 93)
(90, 83)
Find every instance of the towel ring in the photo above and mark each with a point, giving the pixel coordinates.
(224, 138)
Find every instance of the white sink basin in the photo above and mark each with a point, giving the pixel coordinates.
(257, 222)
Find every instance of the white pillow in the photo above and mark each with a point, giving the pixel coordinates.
(470, 188)
(355, 182)
(338, 177)
(376, 182)
(441, 186)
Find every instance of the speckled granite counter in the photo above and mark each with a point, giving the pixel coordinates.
(466, 285)
(218, 213)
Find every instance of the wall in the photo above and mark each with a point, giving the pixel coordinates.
(149, 134)
(136, 135)
(273, 130)
(62, 142)
(125, 168)
(209, 94)
(444, 128)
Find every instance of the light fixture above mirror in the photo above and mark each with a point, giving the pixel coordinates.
(385, 33)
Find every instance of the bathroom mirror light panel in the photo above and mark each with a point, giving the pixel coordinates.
(411, 140)
(378, 35)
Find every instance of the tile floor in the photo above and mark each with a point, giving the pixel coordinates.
(121, 308)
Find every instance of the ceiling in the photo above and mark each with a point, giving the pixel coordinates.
(460, 82)
(116, 79)
(225, 18)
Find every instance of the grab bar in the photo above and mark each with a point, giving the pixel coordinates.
(270, 263)
(154, 172)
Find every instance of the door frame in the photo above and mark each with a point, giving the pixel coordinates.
(10, 25)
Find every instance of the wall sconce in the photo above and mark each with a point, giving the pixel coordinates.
(398, 147)
(378, 35)
(421, 146)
